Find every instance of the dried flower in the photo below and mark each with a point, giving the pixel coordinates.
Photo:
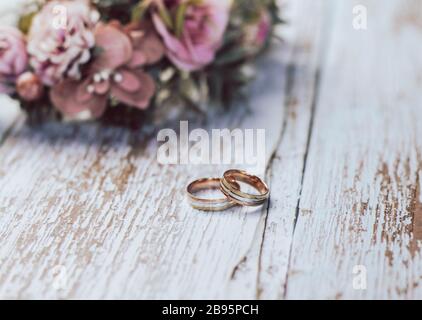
(29, 86)
(60, 39)
(148, 48)
(13, 57)
(112, 74)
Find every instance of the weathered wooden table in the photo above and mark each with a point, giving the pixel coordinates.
(87, 212)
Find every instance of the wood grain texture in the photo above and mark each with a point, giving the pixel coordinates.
(361, 200)
(286, 169)
(87, 212)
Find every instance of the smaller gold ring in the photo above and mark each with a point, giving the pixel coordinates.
(230, 187)
(218, 204)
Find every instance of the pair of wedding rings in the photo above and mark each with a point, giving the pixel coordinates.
(230, 187)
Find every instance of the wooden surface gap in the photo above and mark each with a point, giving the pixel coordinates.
(305, 160)
(326, 33)
(288, 94)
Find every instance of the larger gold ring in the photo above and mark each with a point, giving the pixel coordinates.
(218, 204)
(230, 187)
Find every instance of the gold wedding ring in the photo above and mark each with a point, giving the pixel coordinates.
(204, 204)
(230, 187)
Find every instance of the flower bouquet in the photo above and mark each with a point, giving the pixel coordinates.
(85, 58)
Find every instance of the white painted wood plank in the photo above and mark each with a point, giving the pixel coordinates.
(87, 212)
(361, 202)
(88, 199)
(285, 174)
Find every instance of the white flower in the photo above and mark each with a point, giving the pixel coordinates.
(58, 51)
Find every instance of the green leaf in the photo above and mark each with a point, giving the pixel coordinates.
(232, 56)
(180, 18)
(165, 16)
(25, 22)
(139, 11)
(97, 51)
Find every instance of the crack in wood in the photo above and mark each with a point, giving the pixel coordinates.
(238, 266)
(305, 160)
(288, 93)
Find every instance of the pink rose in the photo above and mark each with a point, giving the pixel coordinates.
(60, 39)
(201, 34)
(13, 57)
